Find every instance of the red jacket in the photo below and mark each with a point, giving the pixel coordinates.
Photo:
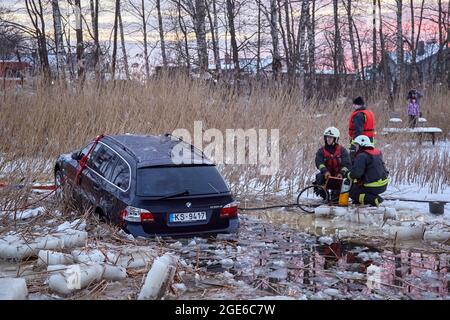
(368, 127)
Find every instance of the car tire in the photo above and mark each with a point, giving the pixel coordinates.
(59, 185)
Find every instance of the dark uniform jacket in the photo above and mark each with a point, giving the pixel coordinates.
(358, 122)
(369, 169)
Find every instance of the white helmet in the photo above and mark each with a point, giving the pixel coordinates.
(363, 141)
(332, 132)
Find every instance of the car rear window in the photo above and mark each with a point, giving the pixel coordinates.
(163, 181)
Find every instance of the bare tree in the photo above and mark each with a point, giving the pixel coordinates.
(274, 32)
(399, 37)
(123, 45)
(161, 33)
(374, 41)
(384, 57)
(351, 35)
(139, 11)
(213, 24)
(116, 25)
(415, 40)
(234, 47)
(94, 6)
(79, 35)
(311, 26)
(338, 55)
(36, 14)
(59, 44)
(301, 38)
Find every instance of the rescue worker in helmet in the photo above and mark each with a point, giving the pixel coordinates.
(332, 159)
(362, 121)
(368, 173)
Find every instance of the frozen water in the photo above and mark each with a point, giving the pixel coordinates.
(158, 274)
(48, 257)
(13, 289)
(88, 256)
(227, 263)
(27, 214)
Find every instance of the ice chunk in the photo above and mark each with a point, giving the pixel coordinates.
(15, 246)
(75, 277)
(436, 234)
(332, 292)
(137, 257)
(159, 277)
(279, 263)
(342, 233)
(57, 267)
(88, 256)
(27, 214)
(176, 245)
(322, 211)
(13, 289)
(192, 243)
(227, 275)
(279, 274)
(47, 257)
(227, 263)
(73, 238)
(366, 256)
(179, 287)
(326, 240)
(405, 230)
(77, 224)
(114, 273)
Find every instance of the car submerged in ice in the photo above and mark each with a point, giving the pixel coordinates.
(134, 182)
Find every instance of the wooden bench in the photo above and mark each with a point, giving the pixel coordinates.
(418, 130)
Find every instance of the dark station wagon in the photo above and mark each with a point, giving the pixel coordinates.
(132, 181)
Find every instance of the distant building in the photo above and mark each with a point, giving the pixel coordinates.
(13, 73)
(427, 60)
(247, 65)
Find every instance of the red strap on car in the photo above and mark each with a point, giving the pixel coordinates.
(83, 161)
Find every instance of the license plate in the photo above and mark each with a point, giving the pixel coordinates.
(187, 216)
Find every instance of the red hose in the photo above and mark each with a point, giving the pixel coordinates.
(53, 189)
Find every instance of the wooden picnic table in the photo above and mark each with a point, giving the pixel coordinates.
(432, 131)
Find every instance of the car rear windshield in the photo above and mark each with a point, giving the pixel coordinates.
(164, 181)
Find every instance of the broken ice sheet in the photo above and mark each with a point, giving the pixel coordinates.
(26, 214)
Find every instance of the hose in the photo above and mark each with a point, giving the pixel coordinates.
(298, 204)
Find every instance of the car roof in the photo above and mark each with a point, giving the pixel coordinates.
(150, 150)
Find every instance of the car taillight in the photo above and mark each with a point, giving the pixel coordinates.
(230, 210)
(147, 216)
(133, 214)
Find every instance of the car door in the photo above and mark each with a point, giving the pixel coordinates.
(70, 170)
(121, 178)
(96, 181)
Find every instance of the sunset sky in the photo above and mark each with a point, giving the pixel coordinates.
(245, 23)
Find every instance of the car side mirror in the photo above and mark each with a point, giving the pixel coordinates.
(76, 155)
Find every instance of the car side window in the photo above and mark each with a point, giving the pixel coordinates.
(121, 174)
(102, 161)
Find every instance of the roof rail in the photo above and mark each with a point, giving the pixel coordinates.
(123, 147)
(187, 144)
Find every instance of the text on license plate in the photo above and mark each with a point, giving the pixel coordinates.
(187, 216)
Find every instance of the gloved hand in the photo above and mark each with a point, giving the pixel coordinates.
(326, 175)
(340, 176)
(343, 173)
